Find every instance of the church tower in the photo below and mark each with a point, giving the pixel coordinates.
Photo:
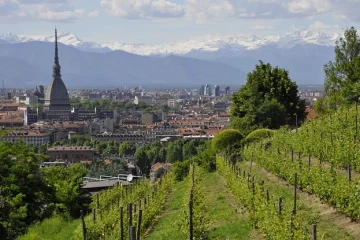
(56, 97)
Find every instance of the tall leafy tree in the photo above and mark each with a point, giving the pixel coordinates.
(269, 99)
(142, 159)
(342, 77)
(127, 148)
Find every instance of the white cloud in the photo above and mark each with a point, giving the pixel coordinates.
(143, 9)
(93, 14)
(204, 10)
(318, 25)
(43, 10)
(261, 27)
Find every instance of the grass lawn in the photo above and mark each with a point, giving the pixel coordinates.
(227, 220)
(166, 227)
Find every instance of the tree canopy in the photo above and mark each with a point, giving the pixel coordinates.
(342, 76)
(269, 99)
(226, 139)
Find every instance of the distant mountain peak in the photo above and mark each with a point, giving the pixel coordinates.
(208, 44)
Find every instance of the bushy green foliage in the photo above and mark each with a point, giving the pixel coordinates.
(259, 135)
(29, 194)
(127, 148)
(342, 77)
(227, 139)
(69, 198)
(54, 228)
(181, 169)
(269, 99)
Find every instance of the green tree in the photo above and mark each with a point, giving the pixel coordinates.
(24, 196)
(174, 151)
(269, 99)
(342, 77)
(142, 159)
(189, 149)
(259, 135)
(229, 138)
(69, 197)
(127, 148)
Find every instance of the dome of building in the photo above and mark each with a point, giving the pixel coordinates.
(57, 96)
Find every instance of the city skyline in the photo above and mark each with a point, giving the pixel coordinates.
(159, 21)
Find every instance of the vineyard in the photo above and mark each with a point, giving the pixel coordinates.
(296, 184)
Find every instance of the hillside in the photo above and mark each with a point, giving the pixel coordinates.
(30, 63)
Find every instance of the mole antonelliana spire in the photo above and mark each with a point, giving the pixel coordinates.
(57, 97)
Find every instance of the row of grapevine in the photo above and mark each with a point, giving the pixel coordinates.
(333, 138)
(276, 217)
(325, 183)
(192, 220)
(117, 209)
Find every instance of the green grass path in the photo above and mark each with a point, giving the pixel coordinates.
(227, 221)
(166, 227)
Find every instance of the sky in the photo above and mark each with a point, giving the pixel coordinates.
(159, 21)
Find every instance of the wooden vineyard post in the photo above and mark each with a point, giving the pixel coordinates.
(267, 196)
(291, 227)
(100, 214)
(132, 232)
(129, 206)
(356, 125)
(314, 232)
(280, 205)
(349, 172)
(309, 161)
(94, 215)
(191, 230)
(134, 208)
(292, 155)
(295, 187)
(83, 224)
(97, 201)
(251, 161)
(139, 225)
(253, 186)
(299, 156)
(122, 223)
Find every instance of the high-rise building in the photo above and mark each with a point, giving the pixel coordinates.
(57, 97)
(227, 91)
(201, 90)
(216, 92)
(207, 90)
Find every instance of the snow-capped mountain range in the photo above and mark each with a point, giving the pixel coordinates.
(208, 44)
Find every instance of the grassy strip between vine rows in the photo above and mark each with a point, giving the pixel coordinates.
(264, 214)
(200, 219)
(107, 224)
(166, 227)
(330, 187)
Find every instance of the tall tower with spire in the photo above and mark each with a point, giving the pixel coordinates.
(57, 96)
